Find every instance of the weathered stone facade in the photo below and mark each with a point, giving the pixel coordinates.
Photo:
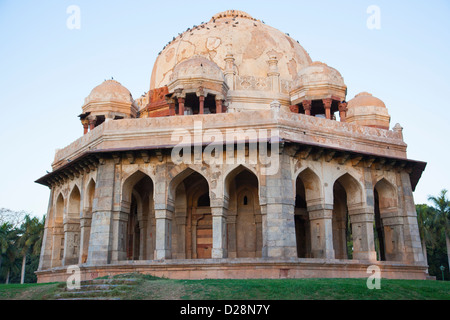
(229, 172)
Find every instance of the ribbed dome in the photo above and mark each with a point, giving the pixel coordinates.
(109, 90)
(250, 42)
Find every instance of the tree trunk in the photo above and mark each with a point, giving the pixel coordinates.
(424, 251)
(7, 278)
(447, 241)
(22, 276)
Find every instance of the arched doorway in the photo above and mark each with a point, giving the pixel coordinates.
(58, 232)
(388, 227)
(137, 228)
(244, 214)
(72, 228)
(342, 228)
(86, 220)
(301, 219)
(192, 223)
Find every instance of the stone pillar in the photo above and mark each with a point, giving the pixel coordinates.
(277, 210)
(58, 246)
(92, 123)
(71, 241)
(229, 72)
(219, 222)
(393, 236)
(343, 111)
(307, 106)
(120, 222)
(327, 105)
(219, 105)
(273, 74)
(202, 104)
(85, 227)
(163, 217)
(412, 243)
(320, 217)
(85, 124)
(181, 101)
(362, 232)
(45, 259)
(101, 239)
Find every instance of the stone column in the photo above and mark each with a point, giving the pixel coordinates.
(273, 74)
(58, 246)
(71, 241)
(307, 106)
(229, 72)
(45, 258)
(219, 106)
(202, 104)
(100, 242)
(85, 227)
(412, 244)
(181, 101)
(277, 212)
(294, 108)
(393, 236)
(362, 232)
(163, 245)
(219, 222)
(92, 123)
(343, 111)
(120, 222)
(320, 217)
(327, 105)
(85, 124)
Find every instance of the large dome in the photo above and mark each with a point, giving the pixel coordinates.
(232, 33)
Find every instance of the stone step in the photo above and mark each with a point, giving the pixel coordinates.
(91, 287)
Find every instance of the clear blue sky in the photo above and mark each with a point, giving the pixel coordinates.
(46, 70)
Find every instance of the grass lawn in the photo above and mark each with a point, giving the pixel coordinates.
(290, 289)
(150, 288)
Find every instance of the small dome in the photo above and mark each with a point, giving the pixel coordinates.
(197, 67)
(366, 110)
(109, 90)
(318, 73)
(318, 81)
(365, 99)
(110, 98)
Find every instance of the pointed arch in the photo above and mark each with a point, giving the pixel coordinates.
(230, 174)
(312, 185)
(178, 178)
(241, 187)
(136, 232)
(74, 205)
(192, 224)
(353, 188)
(89, 194)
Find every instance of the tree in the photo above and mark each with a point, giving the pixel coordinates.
(425, 222)
(30, 239)
(442, 216)
(8, 251)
